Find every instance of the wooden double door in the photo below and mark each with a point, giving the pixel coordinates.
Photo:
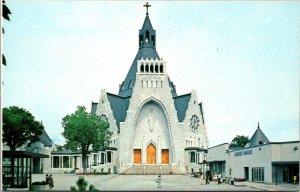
(151, 155)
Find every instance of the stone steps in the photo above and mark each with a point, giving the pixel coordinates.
(149, 170)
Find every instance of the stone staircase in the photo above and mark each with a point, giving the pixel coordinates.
(149, 170)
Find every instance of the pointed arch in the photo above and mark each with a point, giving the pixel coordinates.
(142, 68)
(147, 68)
(161, 105)
(147, 37)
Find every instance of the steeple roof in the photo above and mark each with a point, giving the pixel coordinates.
(147, 50)
(258, 138)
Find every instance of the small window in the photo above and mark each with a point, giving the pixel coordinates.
(55, 162)
(108, 156)
(161, 69)
(192, 159)
(156, 68)
(142, 68)
(151, 69)
(147, 68)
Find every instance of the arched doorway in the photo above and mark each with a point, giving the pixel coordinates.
(151, 154)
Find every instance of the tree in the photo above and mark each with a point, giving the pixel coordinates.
(239, 141)
(5, 15)
(83, 130)
(20, 127)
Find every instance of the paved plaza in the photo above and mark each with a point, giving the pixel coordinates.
(148, 182)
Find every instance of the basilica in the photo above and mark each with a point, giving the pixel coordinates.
(155, 130)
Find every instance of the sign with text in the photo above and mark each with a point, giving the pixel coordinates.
(241, 153)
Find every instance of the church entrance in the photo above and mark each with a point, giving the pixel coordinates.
(151, 154)
(137, 156)
(165, 156)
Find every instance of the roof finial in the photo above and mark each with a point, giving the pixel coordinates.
(258, 125)
(147, 5)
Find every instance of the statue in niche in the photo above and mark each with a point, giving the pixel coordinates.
(151, 120)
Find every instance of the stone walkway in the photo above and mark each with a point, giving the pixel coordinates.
(148, 183)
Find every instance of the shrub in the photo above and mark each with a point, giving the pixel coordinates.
(82, 185)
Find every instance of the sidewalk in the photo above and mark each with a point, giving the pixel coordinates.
(271, 187)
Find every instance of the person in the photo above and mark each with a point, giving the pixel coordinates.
(159, 181)
(47, 179)
(219, 178)
(51, 183)
(207, 178)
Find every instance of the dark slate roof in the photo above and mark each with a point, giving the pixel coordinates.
(181, 104)
(173, 88)
(94, 108)
(119, 106)
(45, 139)
(201, 110)
(258, 138)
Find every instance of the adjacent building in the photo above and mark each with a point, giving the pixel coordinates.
(259, 161)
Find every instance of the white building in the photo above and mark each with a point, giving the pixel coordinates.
(154, 129)
(259, 161)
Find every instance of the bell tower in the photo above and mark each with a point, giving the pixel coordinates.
(147, 36)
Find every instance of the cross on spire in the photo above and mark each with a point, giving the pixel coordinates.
(147, 5)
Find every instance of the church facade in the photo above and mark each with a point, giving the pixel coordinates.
(155, 130)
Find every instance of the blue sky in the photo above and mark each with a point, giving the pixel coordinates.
(242, 58)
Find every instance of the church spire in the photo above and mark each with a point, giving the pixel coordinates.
(147, 36)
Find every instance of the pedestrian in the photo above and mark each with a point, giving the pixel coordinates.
(219, 178)
(47, 179)
(207, 179)
(51, 183)
(159, 181)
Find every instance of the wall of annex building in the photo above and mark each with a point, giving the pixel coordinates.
(253, 158)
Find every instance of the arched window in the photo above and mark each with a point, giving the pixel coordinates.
(147, 37)
(153, 40)
(151, 68)
(156, 68)
(141, 40)
(161, 68)
(147, 68)
(142, 68)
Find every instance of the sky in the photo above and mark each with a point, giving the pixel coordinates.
(242, 58)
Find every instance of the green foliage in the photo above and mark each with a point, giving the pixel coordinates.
(82, 130)
(73, 188)
(5, 15)
(239, 141)
(5, 11)
(82, 185)
(19, 127)
(92, 188)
